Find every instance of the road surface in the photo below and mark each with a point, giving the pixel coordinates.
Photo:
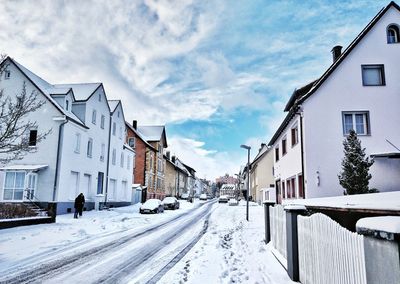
(121, 257)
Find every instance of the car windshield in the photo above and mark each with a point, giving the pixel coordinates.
(151, 203)
(169, 200)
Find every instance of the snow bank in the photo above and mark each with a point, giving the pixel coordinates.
(377, 201)
(389, 224)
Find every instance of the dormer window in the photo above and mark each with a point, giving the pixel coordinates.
(393, 34)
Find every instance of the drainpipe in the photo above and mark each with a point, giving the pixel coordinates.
(108, 160)
(59, 148)
(302, 153)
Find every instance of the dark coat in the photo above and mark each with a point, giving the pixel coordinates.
(79, 201)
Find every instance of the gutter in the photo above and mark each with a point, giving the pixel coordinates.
(108, 160)
(58, 159)
(302, 154)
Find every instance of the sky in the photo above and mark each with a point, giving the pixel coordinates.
(217, 73)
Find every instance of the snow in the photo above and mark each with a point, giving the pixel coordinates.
(231, 251)
(389, 224)
(169, 200)
(376, 201)
(294, 207)
(46, 238)
(151, 204)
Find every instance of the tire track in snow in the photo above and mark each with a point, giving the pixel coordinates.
(35, 273)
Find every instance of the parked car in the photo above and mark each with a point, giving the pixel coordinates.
(203, 196)
(185, 196)
(170, 203)
(209, 196)
(223, 199)
(152, 206)
(233, 202)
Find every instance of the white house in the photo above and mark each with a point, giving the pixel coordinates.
(360, 91)
(73, 157)
(121, 159)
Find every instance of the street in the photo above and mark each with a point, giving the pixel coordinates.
(207, 242)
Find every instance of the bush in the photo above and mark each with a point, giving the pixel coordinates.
(15, 210)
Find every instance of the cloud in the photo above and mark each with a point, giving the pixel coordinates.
(208, 163)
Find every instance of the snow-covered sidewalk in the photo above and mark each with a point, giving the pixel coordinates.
(231, 251)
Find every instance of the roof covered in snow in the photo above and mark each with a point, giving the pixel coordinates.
(48, 89)
(81, 91)
(153, 133)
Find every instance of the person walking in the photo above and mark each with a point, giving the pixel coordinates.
(79, 203)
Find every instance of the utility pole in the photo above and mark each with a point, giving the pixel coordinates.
(248, 179)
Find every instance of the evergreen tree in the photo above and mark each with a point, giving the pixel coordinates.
(355, 175)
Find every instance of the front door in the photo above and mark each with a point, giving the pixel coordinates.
(31, 186)
(100, 181)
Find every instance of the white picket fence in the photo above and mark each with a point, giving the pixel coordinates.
(329, 253)
(278, 229)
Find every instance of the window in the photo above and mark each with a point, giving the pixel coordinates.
(102, 121)
(89, 147)
(300, 184)
(121, 162)
(103, 150)
(114, 157)
(77, 143)
(94, 116)
(393, 34)
(358, 121)
(131, 142)
(289, 190)
(14, 186)
(118, 114)
(295, 135)
(120, 132)
(32, 137)
(284, 151)
(7, 74)
(128, 162)
(293, 186)
(373, 75)
(283, 190)
(114, 130)
(277, 154)
(99, 97)
(67, 104)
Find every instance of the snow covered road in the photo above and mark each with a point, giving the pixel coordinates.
(119, 257)
(205, 242)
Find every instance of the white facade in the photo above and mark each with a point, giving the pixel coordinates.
(73, 158)
(342, 93)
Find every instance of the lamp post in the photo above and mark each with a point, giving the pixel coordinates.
(248, 178)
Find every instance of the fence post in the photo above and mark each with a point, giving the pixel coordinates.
(381, 248)
(292, 211)
(267, 219)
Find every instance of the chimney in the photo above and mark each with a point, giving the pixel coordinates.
(173, 159)
(168, 154)
(134, 124)
(336, 52)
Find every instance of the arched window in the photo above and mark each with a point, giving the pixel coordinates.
(393, 35)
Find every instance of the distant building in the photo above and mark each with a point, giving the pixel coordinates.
(226, 179)
(229, 190)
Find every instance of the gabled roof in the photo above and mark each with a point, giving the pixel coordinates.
(140, 136)
(154, 133)
(82, 91)
(298, 93)
(181, 166)
(348, 50)
(45, 88)
(190, 169)
(264, 149)
(306, 91)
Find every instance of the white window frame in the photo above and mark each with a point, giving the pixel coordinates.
(77, 143)
(102, 121)
(366, 124)
(132, 145)
(14, 189)
(379, 67)
(114, 156)
(89, 150)
(103, 151)
(94, 114)
(7, 74)
(121, 162)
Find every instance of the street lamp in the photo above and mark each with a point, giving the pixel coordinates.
(248, 178)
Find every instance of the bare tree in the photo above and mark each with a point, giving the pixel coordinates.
(16, 135)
